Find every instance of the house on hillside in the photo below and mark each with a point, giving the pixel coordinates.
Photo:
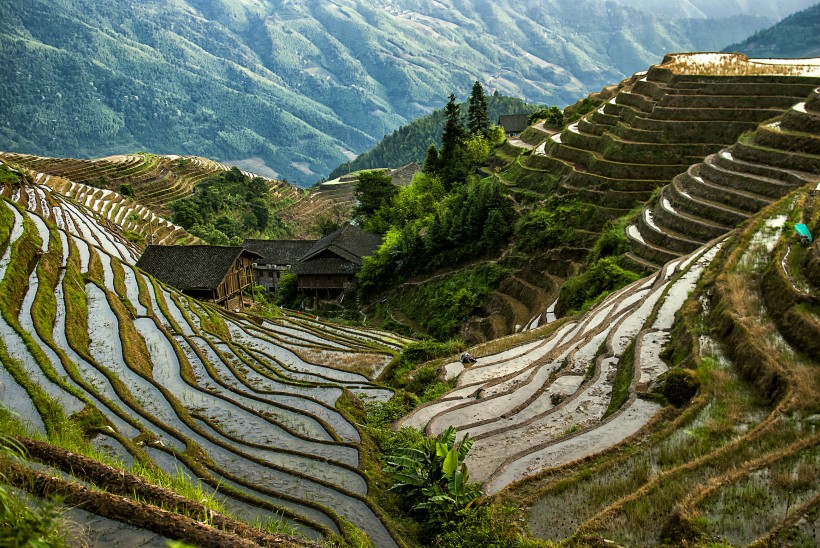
(276, 258)
(325, 267)
(513, 124)
(207, 272)
(331, 264)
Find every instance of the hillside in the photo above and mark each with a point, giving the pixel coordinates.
(573, 425)
(579, 232)
(774, 9)
(167, 404)
(794, 36)
(409, 143)
(255, 82)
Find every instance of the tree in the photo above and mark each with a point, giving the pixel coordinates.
(478, 120)
(374, 189)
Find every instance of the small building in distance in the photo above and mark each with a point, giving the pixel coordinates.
(276, 258)
(513, 124)
(206, 272)
(325, 268)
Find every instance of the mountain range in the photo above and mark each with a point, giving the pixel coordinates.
(295, 88)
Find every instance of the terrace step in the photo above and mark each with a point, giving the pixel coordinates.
(664, 237)
(698, 206)
(646, 249)
(740, 200)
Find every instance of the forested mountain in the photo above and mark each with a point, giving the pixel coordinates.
(795, 36)
(775, 9)
(409, 143)
(302, 85)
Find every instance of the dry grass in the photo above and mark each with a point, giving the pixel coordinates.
(364, 363)
(734, 64)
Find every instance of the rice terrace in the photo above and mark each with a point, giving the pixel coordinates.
(679, 406)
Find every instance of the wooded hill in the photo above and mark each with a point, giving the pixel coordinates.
(577, 192)
(257, 81)
(794, 36)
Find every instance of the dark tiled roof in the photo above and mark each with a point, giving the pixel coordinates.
(326, 265)
(191, 266)
(349, 242)
(279, 252)
(513, 123)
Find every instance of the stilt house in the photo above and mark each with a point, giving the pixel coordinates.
(206, 272)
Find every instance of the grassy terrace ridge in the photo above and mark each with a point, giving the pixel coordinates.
(204, 414)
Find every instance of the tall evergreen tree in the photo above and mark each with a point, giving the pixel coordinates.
(453, 162)
(478, 120)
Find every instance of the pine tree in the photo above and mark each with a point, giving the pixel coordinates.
(478, 120)
(453, 162)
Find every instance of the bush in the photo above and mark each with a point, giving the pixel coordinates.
(678, 386)
(127, 190)
(582, 291)
(288, 290)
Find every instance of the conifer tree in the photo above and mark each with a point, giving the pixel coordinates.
(478, 120)
(453, 162)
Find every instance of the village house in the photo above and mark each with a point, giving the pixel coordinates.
(206, 272)
(326, 267)
(513, 124)
(276, 258)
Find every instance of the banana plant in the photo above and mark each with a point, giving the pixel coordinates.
(435, 477)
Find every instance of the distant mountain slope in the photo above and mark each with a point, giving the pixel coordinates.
(301, 85)
(775, 9)
(409, 143)
(796, 36)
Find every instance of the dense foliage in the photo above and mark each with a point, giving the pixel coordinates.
(410, 142)
(228, 207)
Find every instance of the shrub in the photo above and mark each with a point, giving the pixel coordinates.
(678, 386)
(127, 190)
(604, 276)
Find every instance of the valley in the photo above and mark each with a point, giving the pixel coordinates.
(602, 331)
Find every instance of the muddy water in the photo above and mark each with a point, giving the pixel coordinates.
(113, 448)
(85, 253)
(352, 509)
(312, 515)
(588, 443)
(106, 349)
(133, 291)
(16, 232)
(485, 407)
(167, 372)
(42, 230)
(235, 507)
(100, 532)
(108, 273)
(297, 336)
(292, 360)
(96, 379)
(14, 398)
(253, 380)
(16, 348)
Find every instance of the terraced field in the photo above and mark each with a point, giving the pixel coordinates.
(156, 180)
(567, 428)
(244, 410)
(552, 401)
(730, 186)
(740, 463)
(652, 130)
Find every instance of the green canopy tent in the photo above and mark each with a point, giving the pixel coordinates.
(803, 231)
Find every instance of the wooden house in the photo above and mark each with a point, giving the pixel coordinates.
(330, 265)
(513, 124)
(276, 258)
(206, 272)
